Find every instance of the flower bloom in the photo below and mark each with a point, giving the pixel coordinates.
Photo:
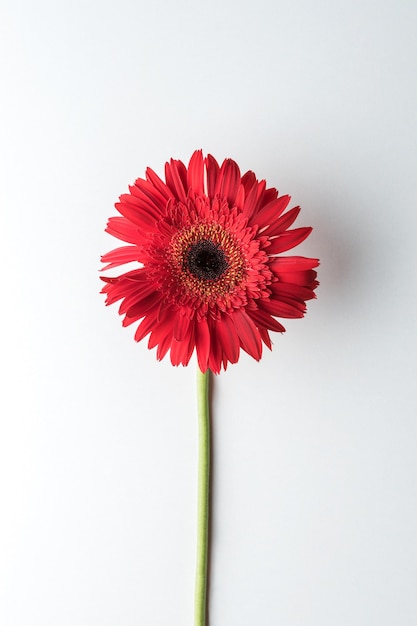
(209, 277)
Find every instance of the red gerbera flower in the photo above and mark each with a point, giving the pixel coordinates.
(209, 277)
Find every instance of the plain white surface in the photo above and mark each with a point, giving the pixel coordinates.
(315, 510)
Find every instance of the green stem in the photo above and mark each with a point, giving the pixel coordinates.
(203, 497)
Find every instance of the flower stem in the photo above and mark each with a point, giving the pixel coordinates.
(203, 497)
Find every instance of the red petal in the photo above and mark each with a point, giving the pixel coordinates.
(292, 264)
(228, 337)
(163, 347)
(257, 198)
(282, 223)
(289, 239)
(110, 280)
(181, 326)
(131, 211)
(248, 180)
(139, 293)
(162, 328)
(119, 287)
(150, 196)
(263, 320)
(252, 196)
(212, 173)
(158, 184)
(195, 175)
(265, 337)
(240, 197)
(143, 306)
(202, 341)
(216, 352)
(269, 213)
(228, 181)
(248, 334)
(176, 352)
(181, 351)
(121, 228)
(281, 309)
(191, 343)
(268, 196)
(305, 279)
(119, 256)
(140, 274)
(174, 174)
(297, 292)
(145, 327)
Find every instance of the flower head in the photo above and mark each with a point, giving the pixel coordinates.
(209, 276)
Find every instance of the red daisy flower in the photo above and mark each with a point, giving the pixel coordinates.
(209, 277)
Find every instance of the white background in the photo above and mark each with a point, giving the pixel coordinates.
(315, 461)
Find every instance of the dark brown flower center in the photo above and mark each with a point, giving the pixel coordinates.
(206, 260)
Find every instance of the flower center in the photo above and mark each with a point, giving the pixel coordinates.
(206, 263)
(206, 260)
